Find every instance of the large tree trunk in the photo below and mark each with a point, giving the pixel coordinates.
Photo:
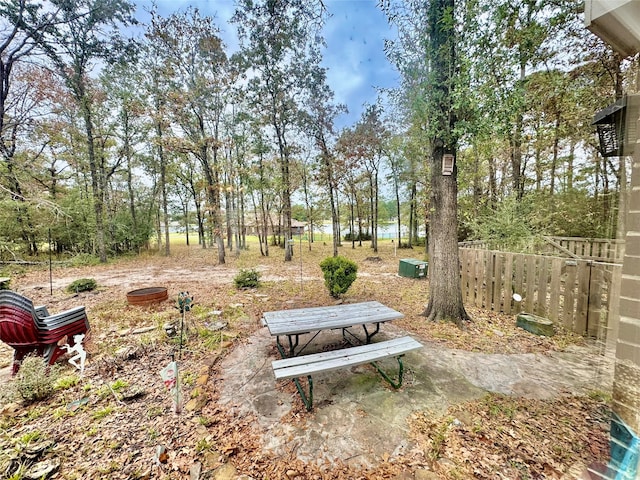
(445, 292)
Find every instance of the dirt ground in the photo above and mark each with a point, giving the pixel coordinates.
(116, 421)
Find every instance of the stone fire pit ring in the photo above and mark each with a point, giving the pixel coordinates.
(147, 296)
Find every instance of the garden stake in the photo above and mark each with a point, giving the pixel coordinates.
(171, 380)
(184, 305)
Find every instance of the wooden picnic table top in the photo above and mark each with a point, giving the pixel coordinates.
(303, 320)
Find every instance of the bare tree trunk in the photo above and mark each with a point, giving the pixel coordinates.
(398, 223)
(516, 146)
(554, 158)
(98, 198)
(165, 200)
(570, 160)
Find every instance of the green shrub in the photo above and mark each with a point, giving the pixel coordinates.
(82, 285)
(247, 279)
(339, 274)
(356, 237)
(35, 379)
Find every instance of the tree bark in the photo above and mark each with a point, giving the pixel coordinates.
(445, 292)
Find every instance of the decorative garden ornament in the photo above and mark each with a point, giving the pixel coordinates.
(80, 355)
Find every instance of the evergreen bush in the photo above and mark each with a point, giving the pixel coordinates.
(339, 274)
(82, 285)
(356, 237)
(247, 279)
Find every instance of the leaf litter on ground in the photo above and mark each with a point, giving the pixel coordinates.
(491, 438)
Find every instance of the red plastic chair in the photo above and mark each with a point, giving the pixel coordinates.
(29, 330)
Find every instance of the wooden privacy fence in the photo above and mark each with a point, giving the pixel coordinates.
(600, 249)
(574, 293)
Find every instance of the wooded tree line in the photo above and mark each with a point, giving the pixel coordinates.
(106, 137)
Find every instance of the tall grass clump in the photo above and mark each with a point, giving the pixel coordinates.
(35, 380)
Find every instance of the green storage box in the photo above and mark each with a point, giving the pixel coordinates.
(412, 268)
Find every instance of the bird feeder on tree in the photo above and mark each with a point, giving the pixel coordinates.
(616, 126)
(447, 164)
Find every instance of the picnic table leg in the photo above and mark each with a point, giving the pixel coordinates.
(368, 336)
(292, 345)
(306, 399)
(393, 383)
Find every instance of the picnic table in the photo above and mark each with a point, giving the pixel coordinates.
(314, 320)
(295, 322)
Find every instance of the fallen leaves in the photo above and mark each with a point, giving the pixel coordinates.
(498, 437)
(509, 437)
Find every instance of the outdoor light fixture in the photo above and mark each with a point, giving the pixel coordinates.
(616, 126)
(447, 164)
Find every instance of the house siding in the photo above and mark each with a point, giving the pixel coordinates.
(626, 383)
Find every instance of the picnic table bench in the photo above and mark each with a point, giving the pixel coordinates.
(295, 322)
(308, 365)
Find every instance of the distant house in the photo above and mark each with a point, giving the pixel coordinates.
(297, 228)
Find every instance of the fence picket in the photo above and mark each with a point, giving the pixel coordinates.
(554, 297)
(519, 280)
(541, 287)
(582, 297)
(481, 258)
(488, 291)
(570, 295)
(530, 275)
(464, 277)
(508, 282)
(497, 282)
(595, 300)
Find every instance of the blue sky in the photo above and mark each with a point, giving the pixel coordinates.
(354, 56)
